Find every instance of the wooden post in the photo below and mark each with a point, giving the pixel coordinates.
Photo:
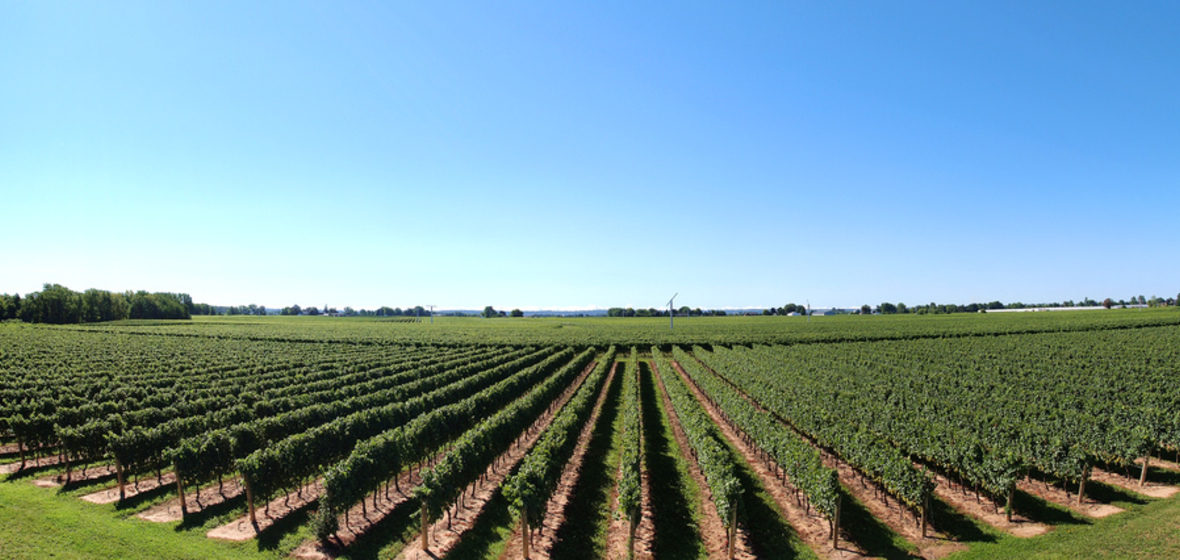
(122, 479)
(1082, 484)
(425, 528)
(180, 490)
(836, 525)
(1143, 473)
(631, 535)
(732, 530)
(70, 470)
(925, 513)
(250, 502)
(1011, 502)
(21, 446)
(524, 523)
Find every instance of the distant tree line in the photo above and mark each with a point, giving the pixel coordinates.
(683, 311)
(887, 308)
(417, 311)
(59, 305)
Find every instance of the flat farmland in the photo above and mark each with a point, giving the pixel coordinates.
(1025, 434)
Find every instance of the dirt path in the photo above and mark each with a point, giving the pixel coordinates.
(713, 532)
(45, 461)
(241, 529)
(463, 515)
(811, 527)
(1150, 489)
(985, 510)
(7, 448)
(1054, 494)
(542, 542)
(111, 495)
(210, 496)
(91, 473)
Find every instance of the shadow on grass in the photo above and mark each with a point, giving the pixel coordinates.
(677, 534)
(104, 481)
(1042, 511)
(589, 508)
(31, 471)
(957, 526)
(395, 529)
(1108, 494)
(867, 532)
(271, 537)
(769, 534)
(200, 518)
(1162, 476)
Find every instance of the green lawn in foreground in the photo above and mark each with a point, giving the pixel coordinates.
(1144, 531)
(38, 523)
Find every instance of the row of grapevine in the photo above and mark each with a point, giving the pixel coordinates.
(476, 449)
(289, 462)
(530, 487)
(706, 445)
(376, 461)
(800, 462)
(631, 447)
(212, 453)
(862, 449)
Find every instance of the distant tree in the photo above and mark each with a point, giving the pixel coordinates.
(1107, 303)
(517, 313)
(313, 311)
(1142, 300)
(768, 311)
(490, 312)
(887, 308)
(901, 308)
(629, 312)
(684, 310)
(865, 309)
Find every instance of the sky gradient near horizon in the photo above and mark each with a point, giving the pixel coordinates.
(559, 155)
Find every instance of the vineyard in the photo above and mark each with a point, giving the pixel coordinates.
(728, 437)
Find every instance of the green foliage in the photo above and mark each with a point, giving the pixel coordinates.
(706, 443)
(802, 462)
(530, 487)
(631, 450)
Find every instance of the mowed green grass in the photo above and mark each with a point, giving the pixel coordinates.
(39, 523)
(1151, 530)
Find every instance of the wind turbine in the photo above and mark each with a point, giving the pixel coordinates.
(671, 312)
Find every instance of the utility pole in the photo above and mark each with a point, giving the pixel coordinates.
(671, 312)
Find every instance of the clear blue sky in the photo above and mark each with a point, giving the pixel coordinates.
(557, 155)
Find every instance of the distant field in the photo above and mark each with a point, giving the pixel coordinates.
(644, 331)
(991, 436)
